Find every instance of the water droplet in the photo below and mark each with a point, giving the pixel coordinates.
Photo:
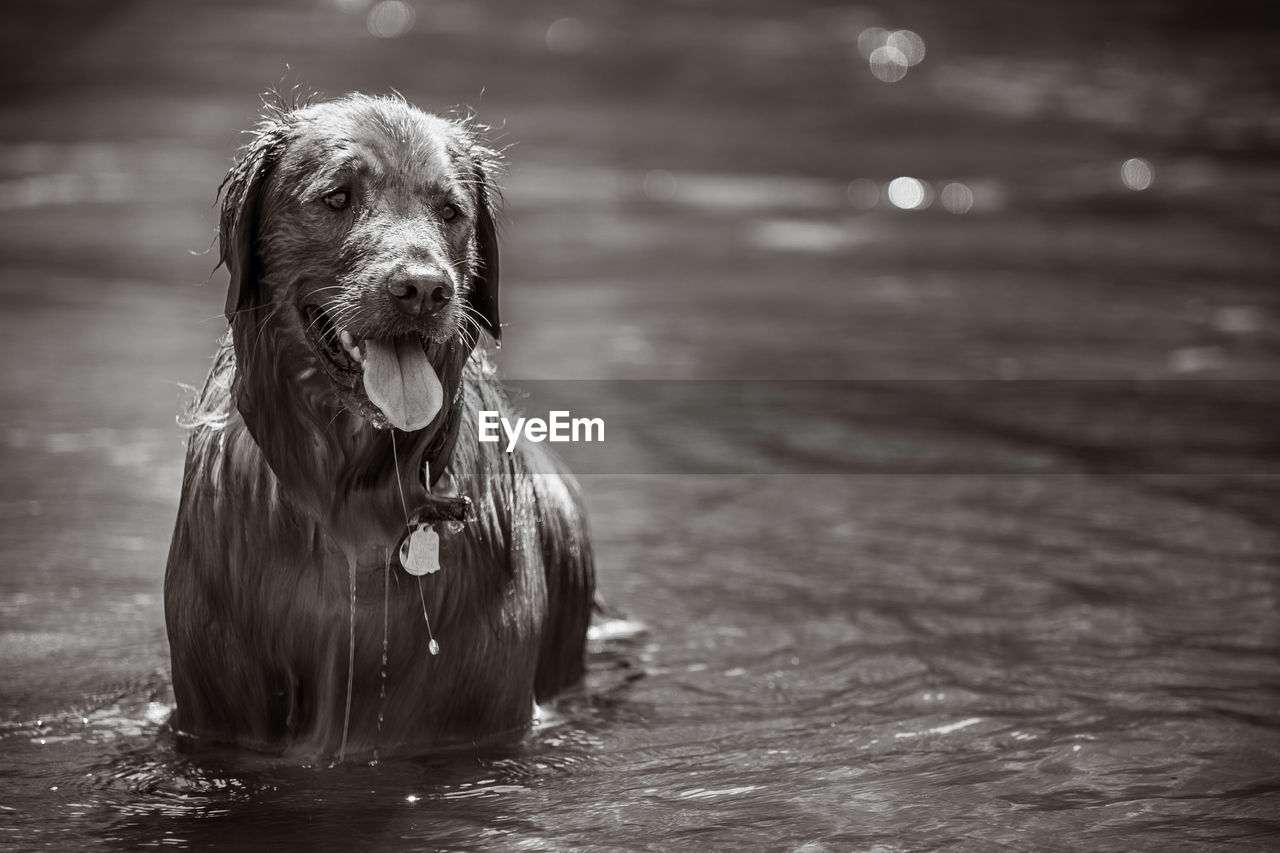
(351, 655)
(433, 647)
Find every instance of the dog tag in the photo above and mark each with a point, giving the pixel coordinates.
(420, 551)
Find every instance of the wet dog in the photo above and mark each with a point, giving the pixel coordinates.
(342, 404)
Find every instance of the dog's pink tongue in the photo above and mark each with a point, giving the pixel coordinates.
(398, 379)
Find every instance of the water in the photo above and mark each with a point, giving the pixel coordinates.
(351, 653)
(907, 613)
(386, 639)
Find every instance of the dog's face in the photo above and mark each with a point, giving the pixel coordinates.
(361, 230)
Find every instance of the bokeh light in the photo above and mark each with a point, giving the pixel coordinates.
(567, 35)
(390, 19)
(1137, 174)
(929, 195)
(888, 64)
(890, 54)
(908, 43)
(863, 193)
(956, 198)
(660, 185)
(870, 39)
(908, 193)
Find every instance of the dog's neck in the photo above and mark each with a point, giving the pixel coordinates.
(360, 484)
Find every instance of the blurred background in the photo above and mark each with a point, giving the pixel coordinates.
(1003, 570)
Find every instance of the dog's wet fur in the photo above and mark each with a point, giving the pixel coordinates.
(292, 478)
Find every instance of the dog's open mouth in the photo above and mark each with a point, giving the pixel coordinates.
(397, 375)
(329, 340)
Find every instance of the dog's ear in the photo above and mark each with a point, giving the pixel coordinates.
(484, 283)
(242, 192)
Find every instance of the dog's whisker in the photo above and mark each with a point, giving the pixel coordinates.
(338, 287)
(465, 334)
(248, 309)
(343, 314)
(470, 315)
(476, 323)
(315, 321)
(333, 420)
(262, 326)
(468, 337)
(314, 324)
(337, 317)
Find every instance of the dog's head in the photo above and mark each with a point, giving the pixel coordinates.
(359, 235)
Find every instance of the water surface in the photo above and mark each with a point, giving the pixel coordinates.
(1002, 572)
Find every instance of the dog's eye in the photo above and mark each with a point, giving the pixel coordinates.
(448, 212)
(338, 199)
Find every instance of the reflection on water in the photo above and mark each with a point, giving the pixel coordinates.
(882, 613)
(124, 782)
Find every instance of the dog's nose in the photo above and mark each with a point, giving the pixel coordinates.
(423, 295)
